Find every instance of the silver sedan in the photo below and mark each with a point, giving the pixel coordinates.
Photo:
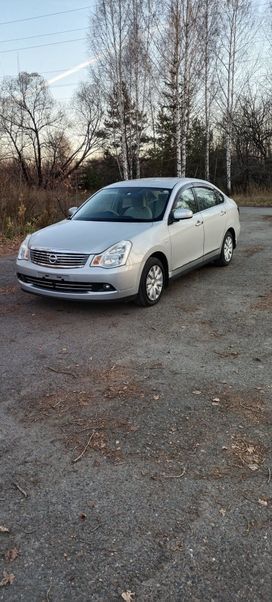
(129, 240)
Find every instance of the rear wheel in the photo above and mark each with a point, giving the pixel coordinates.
(152, 283)
(227, 250)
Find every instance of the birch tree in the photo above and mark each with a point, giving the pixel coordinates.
(210, 43)
(181, 50)
(235, 25)
(108, 37)
(139, 67)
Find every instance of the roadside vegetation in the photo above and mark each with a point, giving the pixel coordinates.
(164, 97)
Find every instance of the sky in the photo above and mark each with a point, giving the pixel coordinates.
(49, 60)
(60, 39)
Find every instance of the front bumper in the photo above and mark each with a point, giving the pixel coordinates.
(78, 284)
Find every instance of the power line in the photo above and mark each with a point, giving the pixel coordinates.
(41, 72)
(41, 45)
(62, 12)
(43, 35)
(56, 70)
(63, 85)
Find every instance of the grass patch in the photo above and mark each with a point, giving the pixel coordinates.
(254, 198)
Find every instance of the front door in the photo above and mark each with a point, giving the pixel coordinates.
(212, 206)
(187, 235)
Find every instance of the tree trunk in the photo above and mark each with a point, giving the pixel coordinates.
(228, 161)
(206, 101)
(185, 107)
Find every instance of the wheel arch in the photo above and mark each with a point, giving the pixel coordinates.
(233, 233)
(162, 257)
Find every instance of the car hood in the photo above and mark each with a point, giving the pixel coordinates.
(86, 237)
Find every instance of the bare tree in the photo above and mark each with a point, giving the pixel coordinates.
(181, 50)
(252, 136)
(34, 130)
(84, 127)
(210, 46)
(108, 38)
(120, 37)
(235, 27)
(139, 66)
(26, 114)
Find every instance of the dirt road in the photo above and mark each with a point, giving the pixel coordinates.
(136, 443)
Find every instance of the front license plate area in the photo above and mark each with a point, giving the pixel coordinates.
(54, 277)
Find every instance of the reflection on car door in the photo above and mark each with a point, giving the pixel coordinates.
(186, 236)
(213, 210)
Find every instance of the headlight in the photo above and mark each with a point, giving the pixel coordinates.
(24, 249)
(113, 257)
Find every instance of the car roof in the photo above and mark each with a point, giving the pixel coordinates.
(157, 182)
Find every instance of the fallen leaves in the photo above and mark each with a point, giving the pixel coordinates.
(8, 579)
(250, 454)
(3, 529)
(226, 354)
(253, 467)
(215, 401)
(11, 554)
(262, 501)
(223, 511)
(128, 596)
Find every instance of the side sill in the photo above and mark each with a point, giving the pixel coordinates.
(197, 263)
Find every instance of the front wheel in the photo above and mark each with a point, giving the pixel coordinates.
(152, 283)
(227, 250)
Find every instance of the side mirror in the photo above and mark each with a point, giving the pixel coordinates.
(182, 214)
(71, 211)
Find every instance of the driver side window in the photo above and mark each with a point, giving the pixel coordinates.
(185, 200)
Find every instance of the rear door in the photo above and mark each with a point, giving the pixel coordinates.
(213, 210)
(186, 236)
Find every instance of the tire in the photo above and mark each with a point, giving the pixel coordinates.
(152, 283)
(227, 250)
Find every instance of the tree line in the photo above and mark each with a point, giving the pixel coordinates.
(175, 90)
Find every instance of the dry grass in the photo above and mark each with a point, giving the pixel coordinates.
(24, 210)
(250, 251)
(10, 246)
(100, 385)
(248, 453)
(8, 290)
(255, 198)
(264, 303)
(75, 416)
(246, 403)
(10, 308)
(88, 413)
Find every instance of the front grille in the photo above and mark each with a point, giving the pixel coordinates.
(58, 259)
(65, 286)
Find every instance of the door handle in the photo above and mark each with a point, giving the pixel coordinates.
(223, 212)
(199, 223)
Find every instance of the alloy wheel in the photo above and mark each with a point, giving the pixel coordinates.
(154, 283)
(228, 248)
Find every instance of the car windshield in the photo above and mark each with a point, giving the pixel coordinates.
(125, 204)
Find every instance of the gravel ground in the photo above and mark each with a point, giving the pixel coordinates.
(135, 442)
